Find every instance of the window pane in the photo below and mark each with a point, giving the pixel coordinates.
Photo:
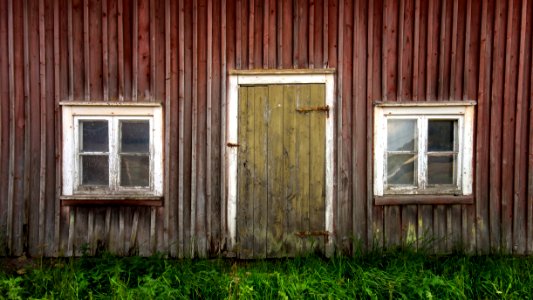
(135, 136)
(401, 169)
(440, 169)
(401, 135)
(134, 170)
(94, 170)
(95, 137)
(441, 135)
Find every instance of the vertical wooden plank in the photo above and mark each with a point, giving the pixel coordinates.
(251, 36)
(181, 118)
(168, 228)
(390, 50)
(392, 226)
(420, 50)
(217, 129)
(405, 51)
(459, 38)
(317, 170)
(260, 197)
(409, 226)
(311, 34)
(257, 31)
(86, 51)
(154, 53)
(19, 213)
(444, 50)
(272, 13)
(11, 159)
(31, 33)
(209, 130)
(345, 184)
(325, 34)
(49, 161)
(70, 50)
(187, 142)
(454, 228)
(77, 64)
(359, 129)
(295, 32)
(425, 236)
(105, 51)
(520, 181)
(80, 230)
(318, 33)
(194, 128)
(239, 34)
(266, 33)
(120, 51)
(112, 45)
(59, 91)
(496, 109)
(286, 45)
(529, 204)
(509, 122)
(484, 209)
(296, 162)
(142, 50)
(521, 140)
(439, 228)
(416, 48)
(202, 110)
(432, 50)
(275, 175)
(245, 180)
(303, 26)
(27, 136)
(5, 114)
(153, 236)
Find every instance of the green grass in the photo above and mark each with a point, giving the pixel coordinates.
(378, 275)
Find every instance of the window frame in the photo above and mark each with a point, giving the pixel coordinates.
(74, 113)
(461, 111)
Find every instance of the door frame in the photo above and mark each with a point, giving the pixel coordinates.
(230, 139)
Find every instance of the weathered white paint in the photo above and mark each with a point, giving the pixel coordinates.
(243, 78)
(73, 112)
(463, 112)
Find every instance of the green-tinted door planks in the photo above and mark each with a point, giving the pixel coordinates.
(281, 170)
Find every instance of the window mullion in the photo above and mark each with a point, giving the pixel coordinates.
(113, 153)
(422, 152)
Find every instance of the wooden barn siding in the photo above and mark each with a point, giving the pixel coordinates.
(178, 53)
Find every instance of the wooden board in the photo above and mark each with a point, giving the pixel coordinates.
(281, 170)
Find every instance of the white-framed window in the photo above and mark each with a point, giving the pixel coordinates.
(112, 149)
(423, 148)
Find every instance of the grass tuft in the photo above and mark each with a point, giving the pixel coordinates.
(376, 275)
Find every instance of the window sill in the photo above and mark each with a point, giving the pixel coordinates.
(422, 199)
(121, 200)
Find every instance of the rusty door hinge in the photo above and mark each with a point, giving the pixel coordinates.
(303, 234)
(233, 145)
(307, 109)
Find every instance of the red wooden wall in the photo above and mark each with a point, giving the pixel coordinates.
(179, 52)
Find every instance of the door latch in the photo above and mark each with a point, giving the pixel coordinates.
(307, 109)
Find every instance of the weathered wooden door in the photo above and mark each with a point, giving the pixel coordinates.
(281, 170)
